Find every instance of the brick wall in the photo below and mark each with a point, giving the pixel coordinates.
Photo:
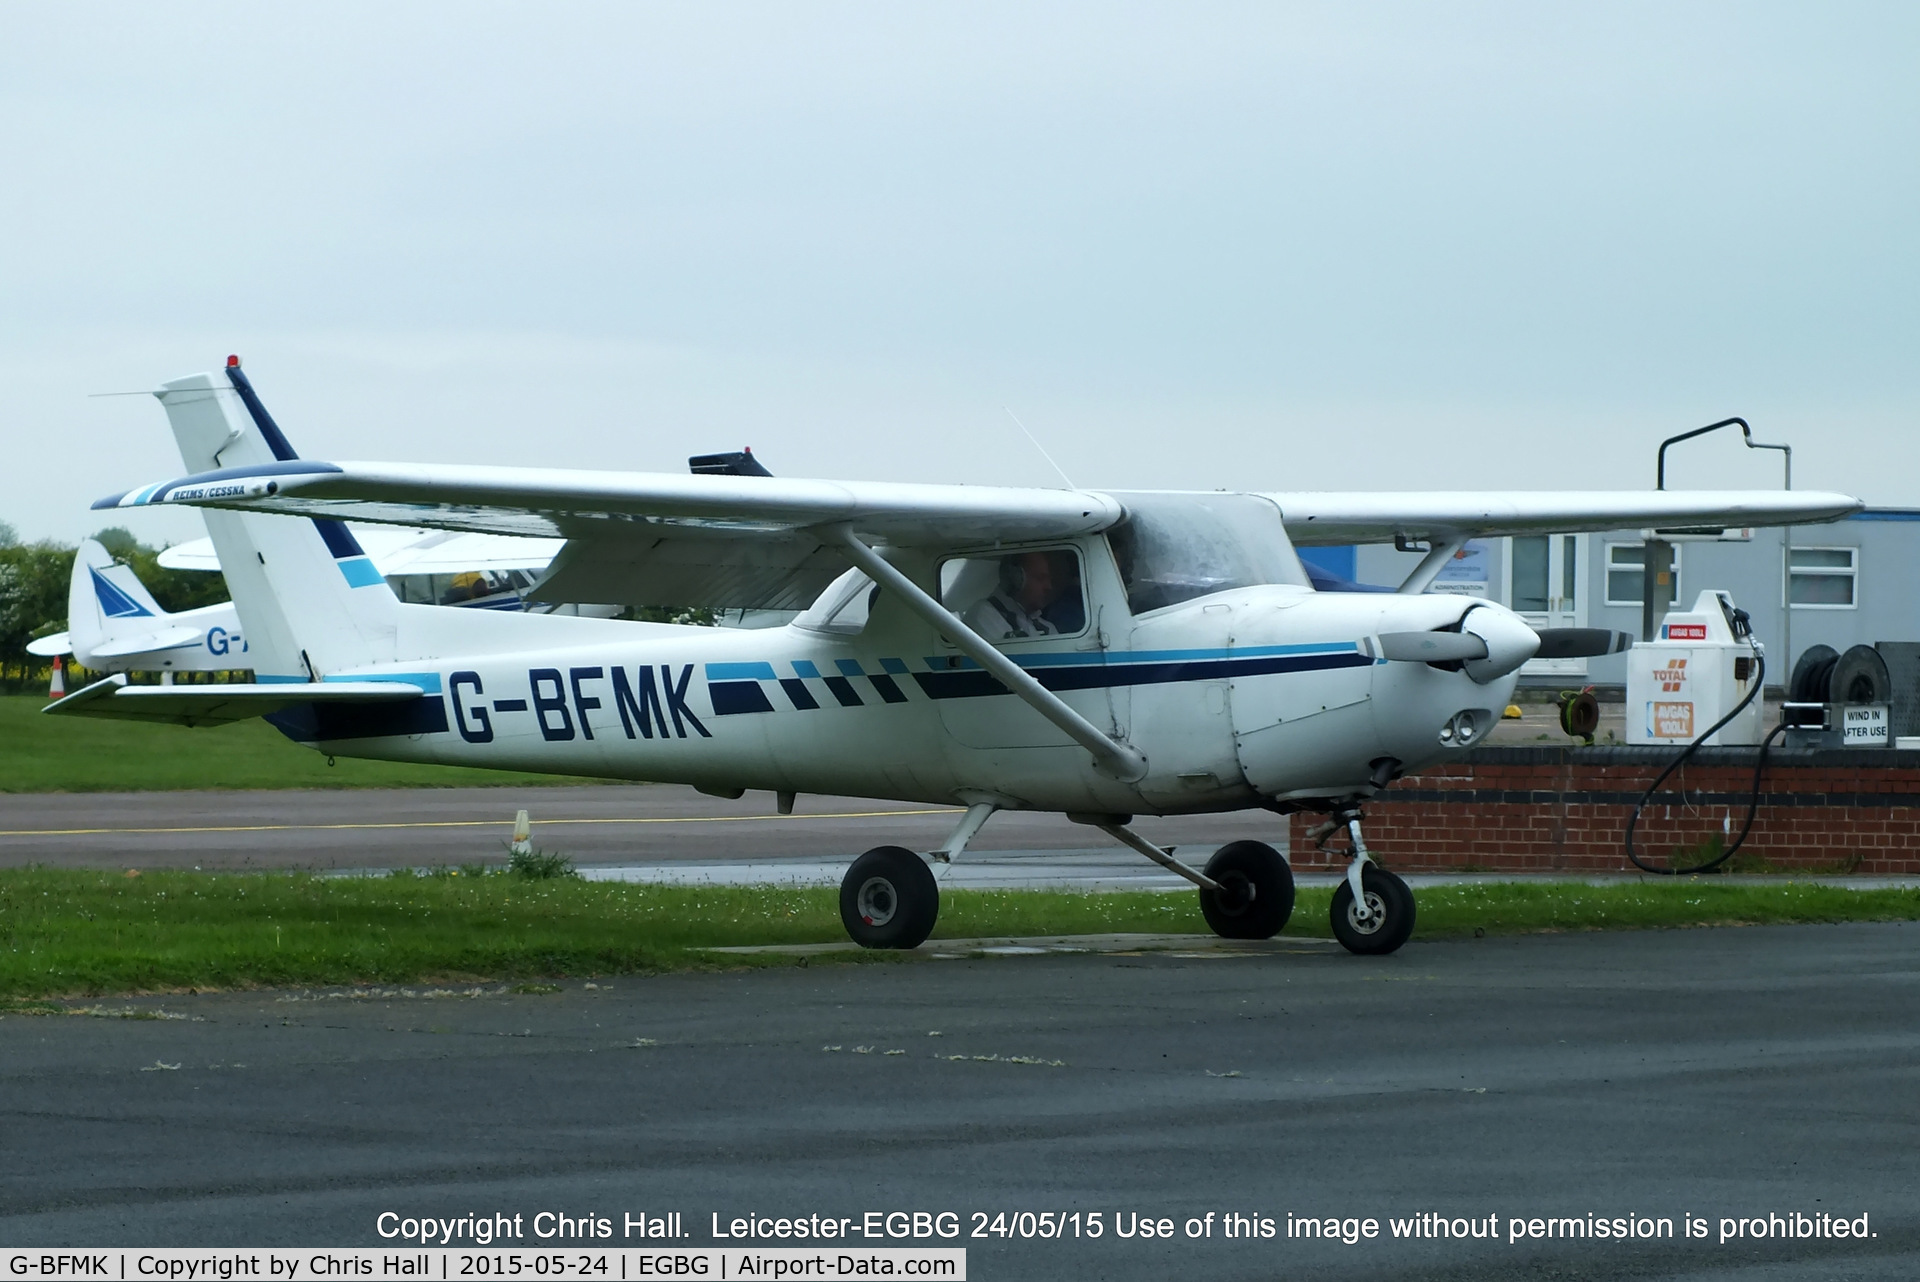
(1565, 809)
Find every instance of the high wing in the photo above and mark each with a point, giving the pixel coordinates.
(561, 503)
(641, 506)
(646, 538)
(1319, 518)
(668, 539)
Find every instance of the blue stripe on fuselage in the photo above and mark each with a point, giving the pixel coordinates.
(1151, 667)
(740, 672)
(734, 687)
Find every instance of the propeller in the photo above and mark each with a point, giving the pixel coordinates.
(1490, 643)
(1581, 643)
(1432, 647)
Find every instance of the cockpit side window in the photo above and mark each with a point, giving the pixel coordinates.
(1017, 596)
(1175, 547)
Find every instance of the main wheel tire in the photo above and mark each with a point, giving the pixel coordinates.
(1390, 904)
(889, 899)
(1256, 891)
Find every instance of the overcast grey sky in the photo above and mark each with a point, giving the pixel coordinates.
(1271, 246)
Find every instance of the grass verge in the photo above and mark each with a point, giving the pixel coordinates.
(65, 933)
(91, 754)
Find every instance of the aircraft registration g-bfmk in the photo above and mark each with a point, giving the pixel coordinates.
(1098, 655)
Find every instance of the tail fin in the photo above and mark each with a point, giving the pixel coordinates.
(101, 593)
(309, 600)
(113, 622)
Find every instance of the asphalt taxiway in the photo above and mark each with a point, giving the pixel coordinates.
(607, 827)
(1701, 1073)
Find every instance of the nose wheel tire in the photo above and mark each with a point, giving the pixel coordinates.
(1389, 918)
(1256, 891)
(889, 899)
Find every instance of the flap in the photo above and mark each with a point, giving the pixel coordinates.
(689, 570)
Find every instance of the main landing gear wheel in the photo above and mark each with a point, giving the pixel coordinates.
(889, 899)
(1256, 891)
(1389, 919)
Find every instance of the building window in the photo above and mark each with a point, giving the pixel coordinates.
(1627, 573)
(1824, 578)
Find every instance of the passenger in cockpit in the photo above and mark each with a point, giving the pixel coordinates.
(1037, 591)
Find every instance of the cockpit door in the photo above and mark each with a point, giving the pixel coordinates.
(1044, 607)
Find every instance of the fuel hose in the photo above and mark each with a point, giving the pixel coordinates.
(1753, 800)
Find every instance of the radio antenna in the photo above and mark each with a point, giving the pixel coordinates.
(1038, 446)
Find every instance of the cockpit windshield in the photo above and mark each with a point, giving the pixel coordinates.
(1175, 547)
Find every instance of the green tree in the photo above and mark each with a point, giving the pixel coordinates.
(33, 600)
(33, 591)
(175, 590)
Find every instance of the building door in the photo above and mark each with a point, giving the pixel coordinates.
(1546, 584)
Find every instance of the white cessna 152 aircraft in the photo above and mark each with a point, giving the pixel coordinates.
(1100, 655)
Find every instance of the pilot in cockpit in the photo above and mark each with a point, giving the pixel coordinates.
(1038, 594)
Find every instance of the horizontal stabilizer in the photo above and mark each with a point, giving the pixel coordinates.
(215, 705)
(119, 647)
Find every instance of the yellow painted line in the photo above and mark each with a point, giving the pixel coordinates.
(470, 823)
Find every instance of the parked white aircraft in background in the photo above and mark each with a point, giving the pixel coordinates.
(115, 625)
(1099, 655)
(428, 567)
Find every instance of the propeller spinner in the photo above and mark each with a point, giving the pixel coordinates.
(1491, 643)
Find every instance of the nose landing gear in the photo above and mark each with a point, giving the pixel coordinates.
(1373, 910)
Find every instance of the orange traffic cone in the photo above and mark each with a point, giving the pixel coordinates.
(58, 689)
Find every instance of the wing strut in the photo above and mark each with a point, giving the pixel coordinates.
(1430, 566)
(1120, 760)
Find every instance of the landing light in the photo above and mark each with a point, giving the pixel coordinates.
(1466, 727)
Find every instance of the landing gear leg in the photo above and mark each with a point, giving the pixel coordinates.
(1373, 910)
(977, 814)
(1246, 891)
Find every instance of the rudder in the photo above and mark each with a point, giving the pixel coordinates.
(309, 599)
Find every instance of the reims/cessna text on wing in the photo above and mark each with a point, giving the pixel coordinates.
(1099, 655)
